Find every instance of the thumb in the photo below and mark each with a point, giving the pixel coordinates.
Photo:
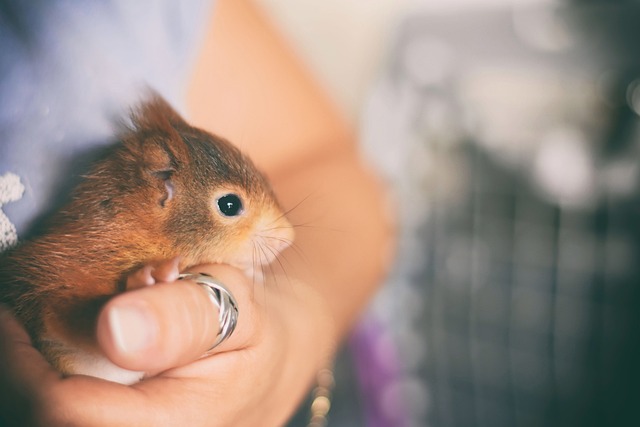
(171, 324)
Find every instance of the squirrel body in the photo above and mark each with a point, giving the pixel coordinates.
(165, 190)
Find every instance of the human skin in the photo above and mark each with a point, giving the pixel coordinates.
(249, 88)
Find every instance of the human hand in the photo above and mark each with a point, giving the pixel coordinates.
(256, 377)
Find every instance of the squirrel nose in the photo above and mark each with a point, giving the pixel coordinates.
(281, 236)
(273, 236)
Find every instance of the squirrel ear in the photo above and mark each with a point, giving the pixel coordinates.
(158, 165)
(156, 144)
(155, 164)
(154, 136)
(154, 113)
(156, 125)
(156, 156)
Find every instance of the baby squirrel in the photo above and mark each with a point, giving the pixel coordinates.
(165, 190)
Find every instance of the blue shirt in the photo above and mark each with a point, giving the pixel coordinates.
(69, 71)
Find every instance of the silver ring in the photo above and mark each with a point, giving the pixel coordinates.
(222, 299)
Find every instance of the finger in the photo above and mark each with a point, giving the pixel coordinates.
(169, 325)
(24, 376)
(36, 395)
(32, 393)
(17, 347)
(155, 272)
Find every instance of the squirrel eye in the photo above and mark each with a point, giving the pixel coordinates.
(230, 205)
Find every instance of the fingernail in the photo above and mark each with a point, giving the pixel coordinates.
(132, 328)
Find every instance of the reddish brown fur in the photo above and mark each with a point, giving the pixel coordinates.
(121, 217)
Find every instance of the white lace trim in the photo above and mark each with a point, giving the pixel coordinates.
(11, 190)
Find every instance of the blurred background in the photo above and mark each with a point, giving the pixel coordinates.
(508, 133)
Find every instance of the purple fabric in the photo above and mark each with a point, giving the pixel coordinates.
(378, 371)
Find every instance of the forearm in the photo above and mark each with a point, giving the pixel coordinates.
(250, 88)
(343, 239)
